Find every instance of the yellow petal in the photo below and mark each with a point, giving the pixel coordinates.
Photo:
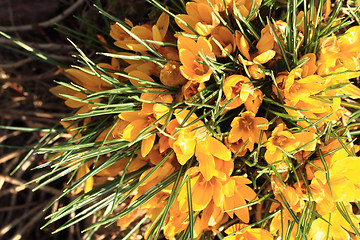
(218, 149)
(264, 57)
(206, 161)
(139, 75)
(156, 34)
(229, 188)
(133, 129)
(258, 234)
(351, 90)
(147, 144)
(162, 24)
(306, 138)
(244, 47)
(218, 195)
(89, 183)
(202, 195)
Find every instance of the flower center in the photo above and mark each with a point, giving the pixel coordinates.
(237, 88)
(150, 119)
(247, 123)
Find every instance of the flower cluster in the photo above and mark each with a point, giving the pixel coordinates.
(229, 117)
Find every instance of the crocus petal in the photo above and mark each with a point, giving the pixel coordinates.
(147, 144)
(202, 195)
(265, 57)
(162, 24)
(218, 149)
(133, 129)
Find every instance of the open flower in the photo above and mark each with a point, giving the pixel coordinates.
(235, 193)
(228, 195)
(244, 7)
(202, 191)
(190, 89)
(144, 32)
(239, 90)
(253, 62)
(247, 127)
(193, 67)
(297, 88)
(214, 158)
(200, 17)
(341, 184)
(283, 140)
(225, 38)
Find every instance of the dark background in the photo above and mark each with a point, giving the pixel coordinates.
(25, 101)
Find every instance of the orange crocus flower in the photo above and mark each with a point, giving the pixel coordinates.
(214, 158)
(246, 127)
(239, 90)
(225, 38)
(287, 141)
(343, 183)
(202, 191)
(191, 88)
(200, 17)
(235, 192)
(244, 6)
(184, 141)
(193, 67)
(144, 32)
(136, 123)
(226, 195)
(255, 60)
(297, 88)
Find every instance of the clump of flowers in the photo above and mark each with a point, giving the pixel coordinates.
(219, 116)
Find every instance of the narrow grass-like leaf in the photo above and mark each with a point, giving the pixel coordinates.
(30, 51)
